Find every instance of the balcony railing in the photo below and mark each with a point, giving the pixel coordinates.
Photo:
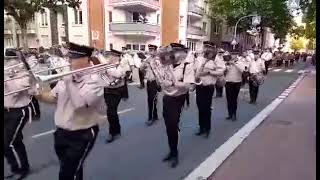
(134, 28)
(195, 9)
(195, 31)
(137, 5)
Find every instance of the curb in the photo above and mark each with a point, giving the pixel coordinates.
(211, 164)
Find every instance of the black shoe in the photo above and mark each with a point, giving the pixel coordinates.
(229, 117)
(23, 175)
(199, 133)
(234, 118)
(168, 157)
(111, 138)
(174, 162)
(149, 122)
(206, 134)
(18, 175)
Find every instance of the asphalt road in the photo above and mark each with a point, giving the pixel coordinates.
(137, 154)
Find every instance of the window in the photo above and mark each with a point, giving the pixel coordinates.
(9, 42)
(191, 45)
(111, 46)
(135, 47)
(181, 20)
(78, 16)
(142, 47)
(136, 15)
(204, 26)
(158, 18)
(128, 46)
(44, 19)
(110, 16)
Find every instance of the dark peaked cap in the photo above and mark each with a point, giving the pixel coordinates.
(115, 52)
(79, 51)
(176, 46)
(209, 44)
(151, 46)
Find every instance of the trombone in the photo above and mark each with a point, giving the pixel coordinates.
(57, 77)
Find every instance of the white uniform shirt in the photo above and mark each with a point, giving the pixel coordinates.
(234, 71)
(20, 99)
(128, 59)
(79, 105)
(266, 56)
(177, 72)
(256, 66)
(146, 66)
(136, 60)
(115, 75)
(215, 69)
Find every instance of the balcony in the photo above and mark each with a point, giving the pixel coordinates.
(7, 31)
(195, 32)
(195, 11)
(135, 28)
(31, 29)
(137, 5)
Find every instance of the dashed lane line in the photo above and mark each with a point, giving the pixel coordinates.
(52, 130)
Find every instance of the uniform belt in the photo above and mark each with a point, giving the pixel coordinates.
(7, 109)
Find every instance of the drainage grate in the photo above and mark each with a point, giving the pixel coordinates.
(282, 122)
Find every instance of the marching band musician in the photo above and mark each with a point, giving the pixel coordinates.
(233, 75)
(207, 72)
(153, 87)
(127, 59)
(137, 64)
(219, 60)
(78, 99)
(114, 92)
(17, 111)
(256, 69)
(175, 92)
(267, 57)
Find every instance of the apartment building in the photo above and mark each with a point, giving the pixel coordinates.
(194, 24)
(38, 33)
(123, 25)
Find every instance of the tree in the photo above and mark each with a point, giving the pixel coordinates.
(297, 44)
(274, 14)
(23, 11)
(308, 8)
(298, 31)
(311, 44)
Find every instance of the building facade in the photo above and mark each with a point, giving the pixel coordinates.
(132, 24)
(194, 24)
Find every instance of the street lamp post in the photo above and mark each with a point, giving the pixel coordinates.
(234, 41)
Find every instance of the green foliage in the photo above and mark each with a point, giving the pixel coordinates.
(297, 44)
(274, 13)
(309, 17)
(297, 32)
(311, 44)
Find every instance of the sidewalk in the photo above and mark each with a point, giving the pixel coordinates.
(283, 147)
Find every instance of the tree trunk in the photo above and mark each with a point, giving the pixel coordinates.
(24, 36)
(263, 35)
(54, 28)
(66, 27)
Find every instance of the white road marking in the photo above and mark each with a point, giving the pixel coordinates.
(133, 83)
(207, 167)
(277, 70)
(44, 133)
(289, 70)
(52, 130)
